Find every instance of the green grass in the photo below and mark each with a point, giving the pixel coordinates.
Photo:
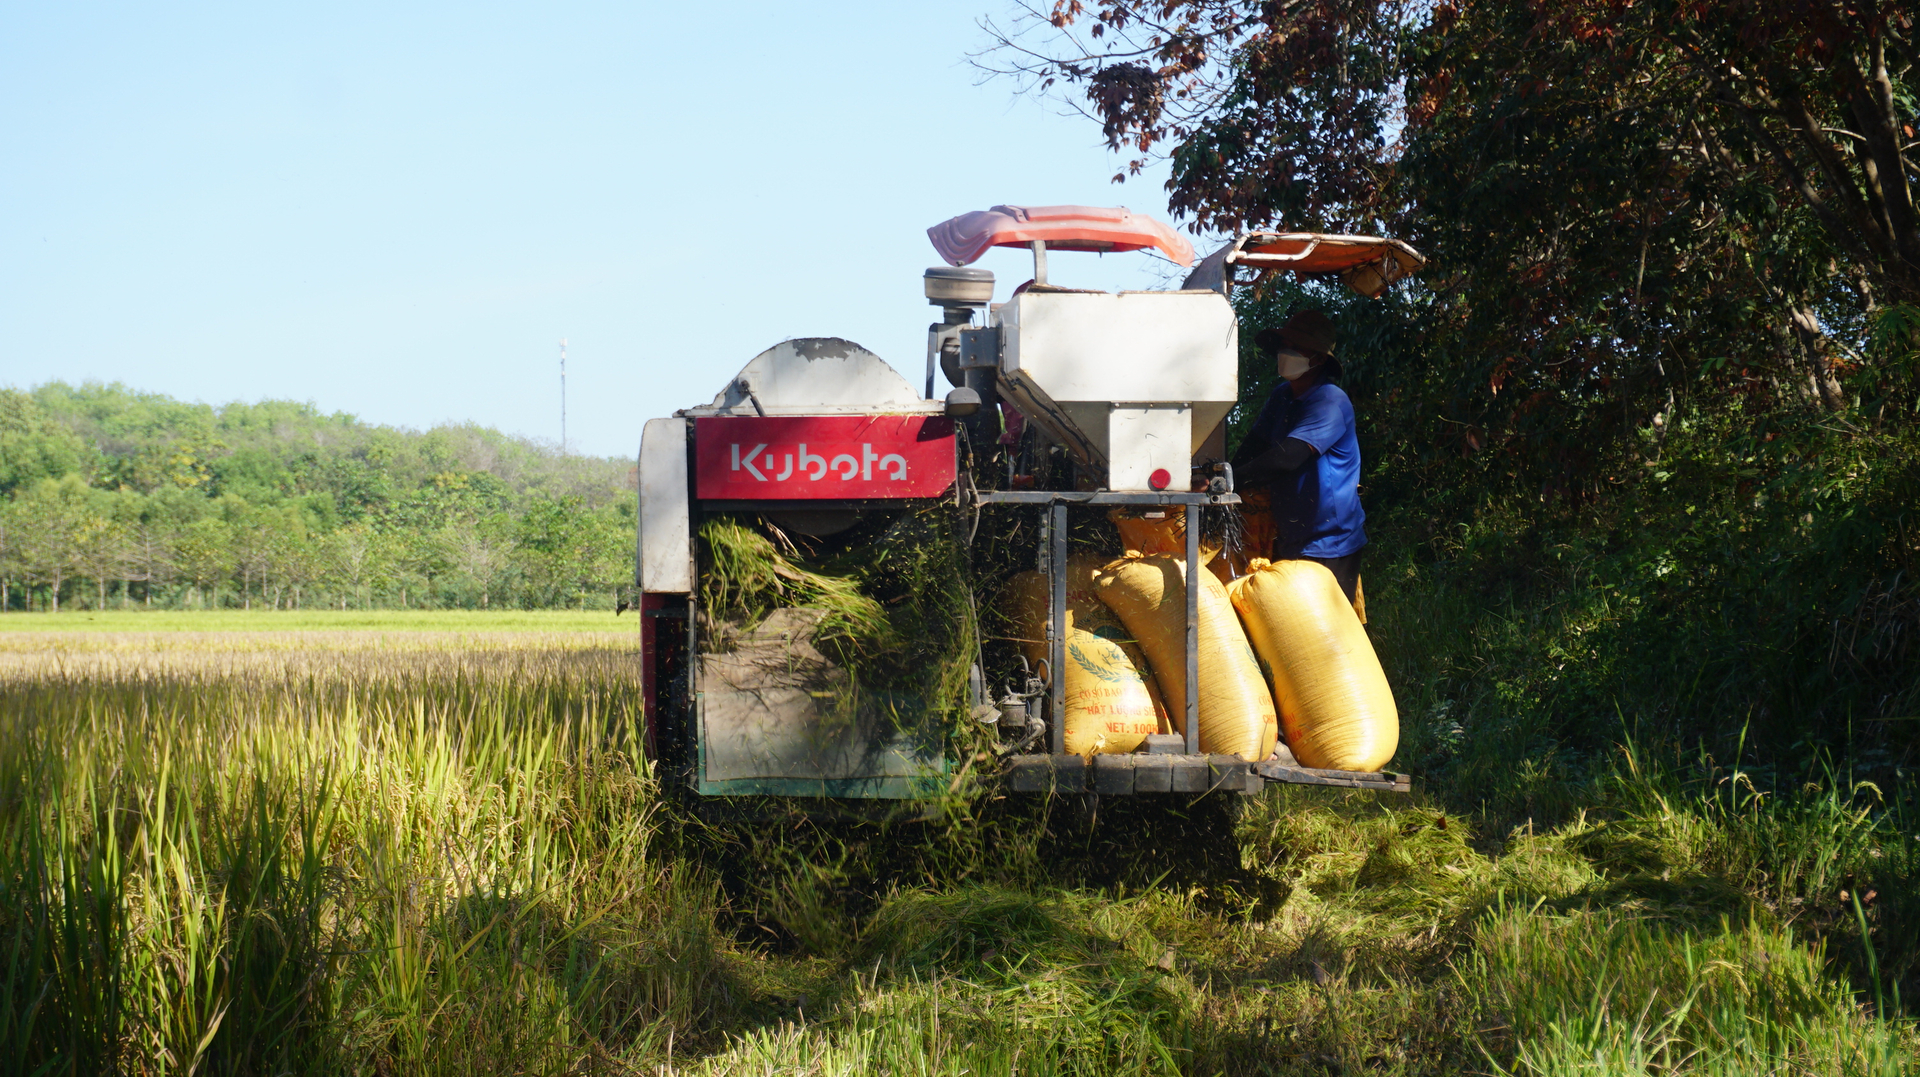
(1625, 994)
(355, 859)
(136, 620)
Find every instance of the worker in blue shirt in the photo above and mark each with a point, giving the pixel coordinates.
(1303, 447)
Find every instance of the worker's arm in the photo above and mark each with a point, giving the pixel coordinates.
(1289, 455)
(1259, 436)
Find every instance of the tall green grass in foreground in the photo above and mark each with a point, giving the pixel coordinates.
(364, 860)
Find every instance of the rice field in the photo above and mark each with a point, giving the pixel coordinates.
(491, 622)
(246, 846)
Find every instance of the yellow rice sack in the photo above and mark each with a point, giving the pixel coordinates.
(1165, 531)
(1334, 701)
(1149, 594)
(1158, 531)
(1085, 609)
(1111, 704)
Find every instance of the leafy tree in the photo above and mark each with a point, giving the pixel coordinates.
(269, 547)
(564, 549)
(288, 556)
(354, 561)
(549, 550)
(1593, 169)
(1268, 111)
(183, 461)
(204, 556)
(257, 474)
(1632, 201)
(51, 519)
(102, 549)
(34, 445)
(10, 552)
(478, 552)
(150, 556)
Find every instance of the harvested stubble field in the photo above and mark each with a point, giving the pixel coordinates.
(378, 851)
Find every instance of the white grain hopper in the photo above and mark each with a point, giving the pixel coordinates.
(1130, 383)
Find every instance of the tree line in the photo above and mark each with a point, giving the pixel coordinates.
(112, 498)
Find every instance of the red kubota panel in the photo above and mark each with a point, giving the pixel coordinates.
(1064, 228)
(819, 457)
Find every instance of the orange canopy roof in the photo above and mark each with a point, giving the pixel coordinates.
(1368, 264)
(1064, 228)
(1310, 252)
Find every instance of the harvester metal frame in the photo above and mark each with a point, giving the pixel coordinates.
(1189, 772)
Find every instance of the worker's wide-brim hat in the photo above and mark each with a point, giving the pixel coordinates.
(1308, 331)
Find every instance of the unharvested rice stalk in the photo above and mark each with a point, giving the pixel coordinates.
(372, 859)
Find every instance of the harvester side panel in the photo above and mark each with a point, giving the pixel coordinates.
(779, 717)
(665, 564)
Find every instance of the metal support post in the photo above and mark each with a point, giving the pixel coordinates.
(695, 731)
(1193, 629)
(933, 356)
(1057, 630)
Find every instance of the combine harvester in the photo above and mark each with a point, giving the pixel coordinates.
(1123, 680)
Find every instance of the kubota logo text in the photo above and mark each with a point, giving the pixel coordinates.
(823, 457)
(777, 466)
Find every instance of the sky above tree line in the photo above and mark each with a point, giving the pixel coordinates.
(398, 210)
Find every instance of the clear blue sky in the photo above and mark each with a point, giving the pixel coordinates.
(397, 210)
